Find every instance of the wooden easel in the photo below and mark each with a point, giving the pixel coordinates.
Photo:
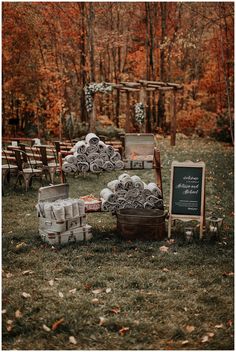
(173, 215)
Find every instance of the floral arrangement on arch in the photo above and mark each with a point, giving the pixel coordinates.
(92, 88)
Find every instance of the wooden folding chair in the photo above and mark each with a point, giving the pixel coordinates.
(7, 168)
(49, 168)
(26, 172)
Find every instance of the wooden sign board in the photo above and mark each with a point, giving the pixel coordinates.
(187, 193)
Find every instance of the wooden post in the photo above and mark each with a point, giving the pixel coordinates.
(127, 120)
(173, 121)
(157, 168)
(143, 99)
(92, 116)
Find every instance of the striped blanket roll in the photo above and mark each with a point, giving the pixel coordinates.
(92, 157)
(120, 177)
(119, 165)
(152, 199)
(108, 195)
(91, 148)
(127, 182)
(102, 147)
(115, 185)
(69, 167)
(110, 150)
(108, 166)
(92, 139)
(154, 189)
(82, 166)
(94, 167)
(70, 159)
(108, 206)
(132, 194)
(80, 147)
(81, 158)
(115, 157)
(104, 156)
(138, 183)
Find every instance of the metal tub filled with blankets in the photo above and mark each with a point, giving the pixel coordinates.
(62, 219)
(138, 206)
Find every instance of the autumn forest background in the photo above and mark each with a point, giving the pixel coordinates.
(52, 50)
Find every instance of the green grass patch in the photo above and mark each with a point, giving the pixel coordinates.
(114, 294)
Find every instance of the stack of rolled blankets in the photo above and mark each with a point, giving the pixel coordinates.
(63, 221)
(92, 155)
(130, 192)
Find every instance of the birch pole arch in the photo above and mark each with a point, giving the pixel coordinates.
(142, 87)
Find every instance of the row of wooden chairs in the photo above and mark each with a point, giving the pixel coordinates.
(26, 166)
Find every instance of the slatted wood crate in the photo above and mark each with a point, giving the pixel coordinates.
(61, 232)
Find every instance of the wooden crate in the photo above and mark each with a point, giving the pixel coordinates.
(75, 235)
(53, 193)
(139, 150)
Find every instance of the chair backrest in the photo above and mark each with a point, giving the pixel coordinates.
(43, 153)
(6, 158)
(19, 161)
(24, 156)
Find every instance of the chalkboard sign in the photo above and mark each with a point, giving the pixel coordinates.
(187, 191)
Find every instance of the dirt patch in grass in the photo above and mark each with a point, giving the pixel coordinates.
(111, 294)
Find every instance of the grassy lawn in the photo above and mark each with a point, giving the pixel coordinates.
(112, 294)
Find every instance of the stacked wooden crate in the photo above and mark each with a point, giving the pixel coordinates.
(68, 228)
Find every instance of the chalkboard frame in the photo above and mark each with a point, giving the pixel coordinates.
(187, 217)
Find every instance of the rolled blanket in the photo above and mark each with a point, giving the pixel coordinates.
(58, 211)
(108, 166)
(148, 205)
(91, 148)
(99, 162)
(121, 193)
(136, 204)
(107, 206)
(68, 209)
(110, 150)
(159, 204)
(83, 167)
(138, 183)
(104, 156)
(132, 194)
(127, 182)
(115, 185)
(92, 157)
(81, 158)
(92, 139)
(152, 199)
(155, 189)
(102, 147)
(119, 165)
(94, 167)
(69, 167)
(115, 157)
(75, 207)
(120, 177)
(80, 147)
(146, 191)
(108, 195)
(121, 202)
(70, 159)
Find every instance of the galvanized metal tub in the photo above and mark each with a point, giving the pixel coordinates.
(141, 224)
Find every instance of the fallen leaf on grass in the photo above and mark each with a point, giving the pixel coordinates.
(228, 273)
(95, 301)
(9, 275)
(164, 249)
(18, 314)
(72, 340)
(27, 272)
(60, 294)
(210, 334)
(185, 342)
(219, 326)
(165, 270)
(73, 290)
(190, 328)
(46, 328)
(102, 320)
(4, 311)
(115, 310)
(9, 325)
(205, 338)
(108, 290)
(51, 282)
(123, 331)
(21, 245)
(97, 291)
(57, 324)
(229, 323)
(25, 295)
